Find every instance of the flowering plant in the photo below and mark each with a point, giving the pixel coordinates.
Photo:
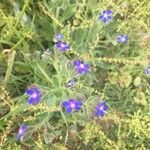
(74, 75)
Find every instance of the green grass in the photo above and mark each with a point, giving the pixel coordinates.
(27, 29)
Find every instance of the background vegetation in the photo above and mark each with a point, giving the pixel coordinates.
(27, 30)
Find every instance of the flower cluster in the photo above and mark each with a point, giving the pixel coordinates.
(106, 17)
(76, 105)
(71, 105)
(62, 46)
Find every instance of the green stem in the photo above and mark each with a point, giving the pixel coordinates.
(22, 12)
(9, 67)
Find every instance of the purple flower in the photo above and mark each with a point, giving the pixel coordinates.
(21, 131)
(72, 104)
(122, 38)
(63, 46)
(34, 95)
(105, 16)
(81, 67)
(100, 109)
(147, 70)
(71, 83)
(59, 36)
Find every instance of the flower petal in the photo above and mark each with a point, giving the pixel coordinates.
(147, 70)
(78, 107)
(65, 104)
(101, 113)
(59, 36)
(33, 101)
(32, 90)
(80, 70)
(21, 131)
(68, 109)
(77, 62)
(86, 67)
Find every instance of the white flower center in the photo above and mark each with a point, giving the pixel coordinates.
(105, 15)
(20, 131)
(72, 105)
(123, 39)
(34, 95)
(63, 45)
(101, 107)
(82, 66)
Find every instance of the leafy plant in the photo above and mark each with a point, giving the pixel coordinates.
(74, 74)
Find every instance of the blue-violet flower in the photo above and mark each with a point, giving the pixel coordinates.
(72, 104)
(34, 95)
(122, 38)
(105, 16)
(147, 70)
(63, 46)
(21, 131)
(81, 67)
(59, 36)
(100, 109)
(71, 83)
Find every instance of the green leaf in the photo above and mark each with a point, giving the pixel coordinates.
(68, 12)
(9, 66)
(21, 67)
(137, 81)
